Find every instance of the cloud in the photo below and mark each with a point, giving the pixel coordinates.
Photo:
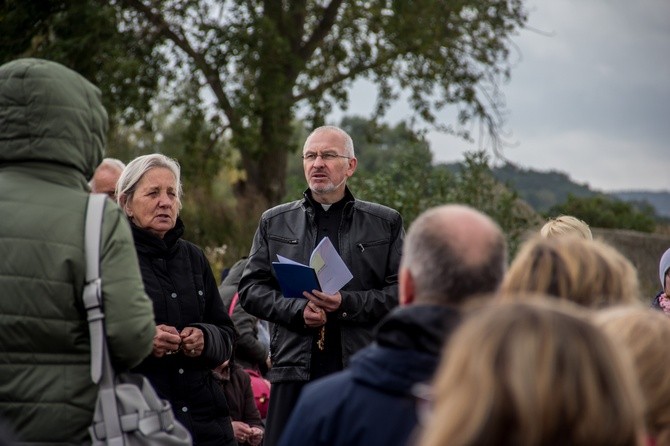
(589, 94)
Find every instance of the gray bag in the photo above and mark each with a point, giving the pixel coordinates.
(128, 411)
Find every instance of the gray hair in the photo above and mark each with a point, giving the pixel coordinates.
(107, 164)
(348, 142)
(135, 170)
(113, 163)
(448, 266)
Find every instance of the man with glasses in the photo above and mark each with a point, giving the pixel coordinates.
(316, 335)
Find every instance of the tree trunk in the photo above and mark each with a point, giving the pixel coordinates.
(265, 167)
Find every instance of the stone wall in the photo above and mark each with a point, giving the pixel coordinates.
(643, 250)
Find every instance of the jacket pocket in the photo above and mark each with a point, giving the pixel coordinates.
(280, 239)
(362, 246)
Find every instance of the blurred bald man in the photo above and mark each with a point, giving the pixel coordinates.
(451, 253)
(106, 176)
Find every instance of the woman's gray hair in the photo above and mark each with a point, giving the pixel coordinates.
(135, 170)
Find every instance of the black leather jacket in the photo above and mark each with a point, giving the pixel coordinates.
(370, 243)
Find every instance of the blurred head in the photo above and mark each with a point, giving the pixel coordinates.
(664, 272)
(533, 374)
(328, 161)
(450, 253)
(149, 192)
(644, 334)
(566, 225)
(588, 272)
(106, 176)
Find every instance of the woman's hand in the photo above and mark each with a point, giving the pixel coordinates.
(242, 431)
(166, 341)
(256, 436)
(192, 341)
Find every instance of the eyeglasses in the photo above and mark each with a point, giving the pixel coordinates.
(328, 156)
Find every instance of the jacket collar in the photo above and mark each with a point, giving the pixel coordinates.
(148, 243)
(419, 327)
(308, 201)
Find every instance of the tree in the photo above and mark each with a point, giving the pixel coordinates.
(262, 59)
(87, 37)
(603, 212)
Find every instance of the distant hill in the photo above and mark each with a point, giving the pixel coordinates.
(544, 189)
(659, 200)
(541, 190)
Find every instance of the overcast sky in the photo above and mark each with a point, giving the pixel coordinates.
(589, 95)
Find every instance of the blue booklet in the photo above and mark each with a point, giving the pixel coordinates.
(295, 278)
(326, 272)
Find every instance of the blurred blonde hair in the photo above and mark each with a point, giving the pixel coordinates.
(566, 225)
(588, 272)
(533, 373)
(645, 334)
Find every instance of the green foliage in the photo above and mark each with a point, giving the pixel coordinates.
(86, 36)
(407, 183)
(411, 185)
(377, 144)
(541, 190)
(256, 62)
(604, 212)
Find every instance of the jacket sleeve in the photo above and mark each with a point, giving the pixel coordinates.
(129, 316)
(259, 291)
(217, 327)
(371, 305)
(248, 348)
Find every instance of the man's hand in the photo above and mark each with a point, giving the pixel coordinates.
(328, 302)
(313, 315)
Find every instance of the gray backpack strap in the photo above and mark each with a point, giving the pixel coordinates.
(92, 296)
(101, 367)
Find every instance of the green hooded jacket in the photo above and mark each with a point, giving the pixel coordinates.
(52, 136)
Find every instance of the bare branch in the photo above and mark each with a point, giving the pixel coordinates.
(341, 77)
(321, 31)
(178, 38)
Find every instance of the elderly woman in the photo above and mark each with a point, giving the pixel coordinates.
(194, 333)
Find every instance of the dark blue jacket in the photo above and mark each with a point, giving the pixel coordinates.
(371, 403)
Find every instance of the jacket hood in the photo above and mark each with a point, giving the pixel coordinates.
(663, 267)
(407, 349)
(50, 114)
